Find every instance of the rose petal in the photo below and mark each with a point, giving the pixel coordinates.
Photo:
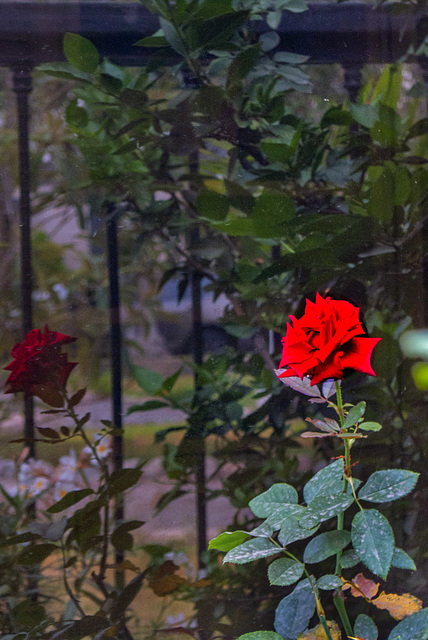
(357, 354)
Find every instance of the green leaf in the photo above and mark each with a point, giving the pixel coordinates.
(20, 539)
(324, 507)
(76, 116)
(49, 530)
(150, 405)
(294, 612)
(64, 70)
(212, 205)
(365, 627)
(328, 481)
(126, 597)
(172, 37)
(415, 627)
(290, 58)
(261, 635)
(71, 498)
(381, 204)
(29, 614)
(329, 582)
(273, 499)
(251, 550)
(354, 414)
(326, 545)
(157, 39)
(364, 114)
(296, 6)
(279, 517)
(149, 381)
(228, 540)
(36, 553)
(269, 40)
(349, 559)
(336, 115)
(388, 485)
(242, 65)
(419, 128)
(79, 629)
(285, 571)
(215, 31)
(81, 53)
(169, 382)
(370, 426)
(271, 211)
(291, 531)
(121, 538)
(123, 479)
(401, 560)
(273, 19)
(373, 540)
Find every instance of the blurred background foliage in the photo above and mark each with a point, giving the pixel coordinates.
(245, 165)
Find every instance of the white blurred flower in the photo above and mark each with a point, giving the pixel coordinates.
(178, 558)
(34, 477)
(62, 488)
(38, 485)
(102, 447)
(69, 465)
(180, 621)
(173, 621)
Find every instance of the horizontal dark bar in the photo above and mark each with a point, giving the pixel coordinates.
(346, 33)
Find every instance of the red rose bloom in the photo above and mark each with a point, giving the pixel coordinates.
(327, 339)
(39, 363)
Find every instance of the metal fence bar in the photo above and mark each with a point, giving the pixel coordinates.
(116, 362)
(22, 86)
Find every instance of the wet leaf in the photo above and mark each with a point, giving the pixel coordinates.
(398, 606)
(294, 612)
(269, 502)
(228, 540)
(388, 485)
(285, 571)
(251, 550)
(373, 540)
(364, 627)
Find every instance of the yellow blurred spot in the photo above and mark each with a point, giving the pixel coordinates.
(318, 632)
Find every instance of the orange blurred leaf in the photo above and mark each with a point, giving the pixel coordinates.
(318, 633)
(362, 587)
(398, 606)
(167, 584)
(126, 565)
(203, 582)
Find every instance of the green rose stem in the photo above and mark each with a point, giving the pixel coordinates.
(338, 600)
(319, 607)
(104, 554)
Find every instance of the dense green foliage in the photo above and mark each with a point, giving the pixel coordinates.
(211, 165)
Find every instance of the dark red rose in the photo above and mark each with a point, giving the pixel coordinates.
(38, 364)
(327, 339)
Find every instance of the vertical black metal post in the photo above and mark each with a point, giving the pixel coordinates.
(192, 82)
(198, 353)
(274, 336)
(423, 63)
(116, 362)
(22, 86)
